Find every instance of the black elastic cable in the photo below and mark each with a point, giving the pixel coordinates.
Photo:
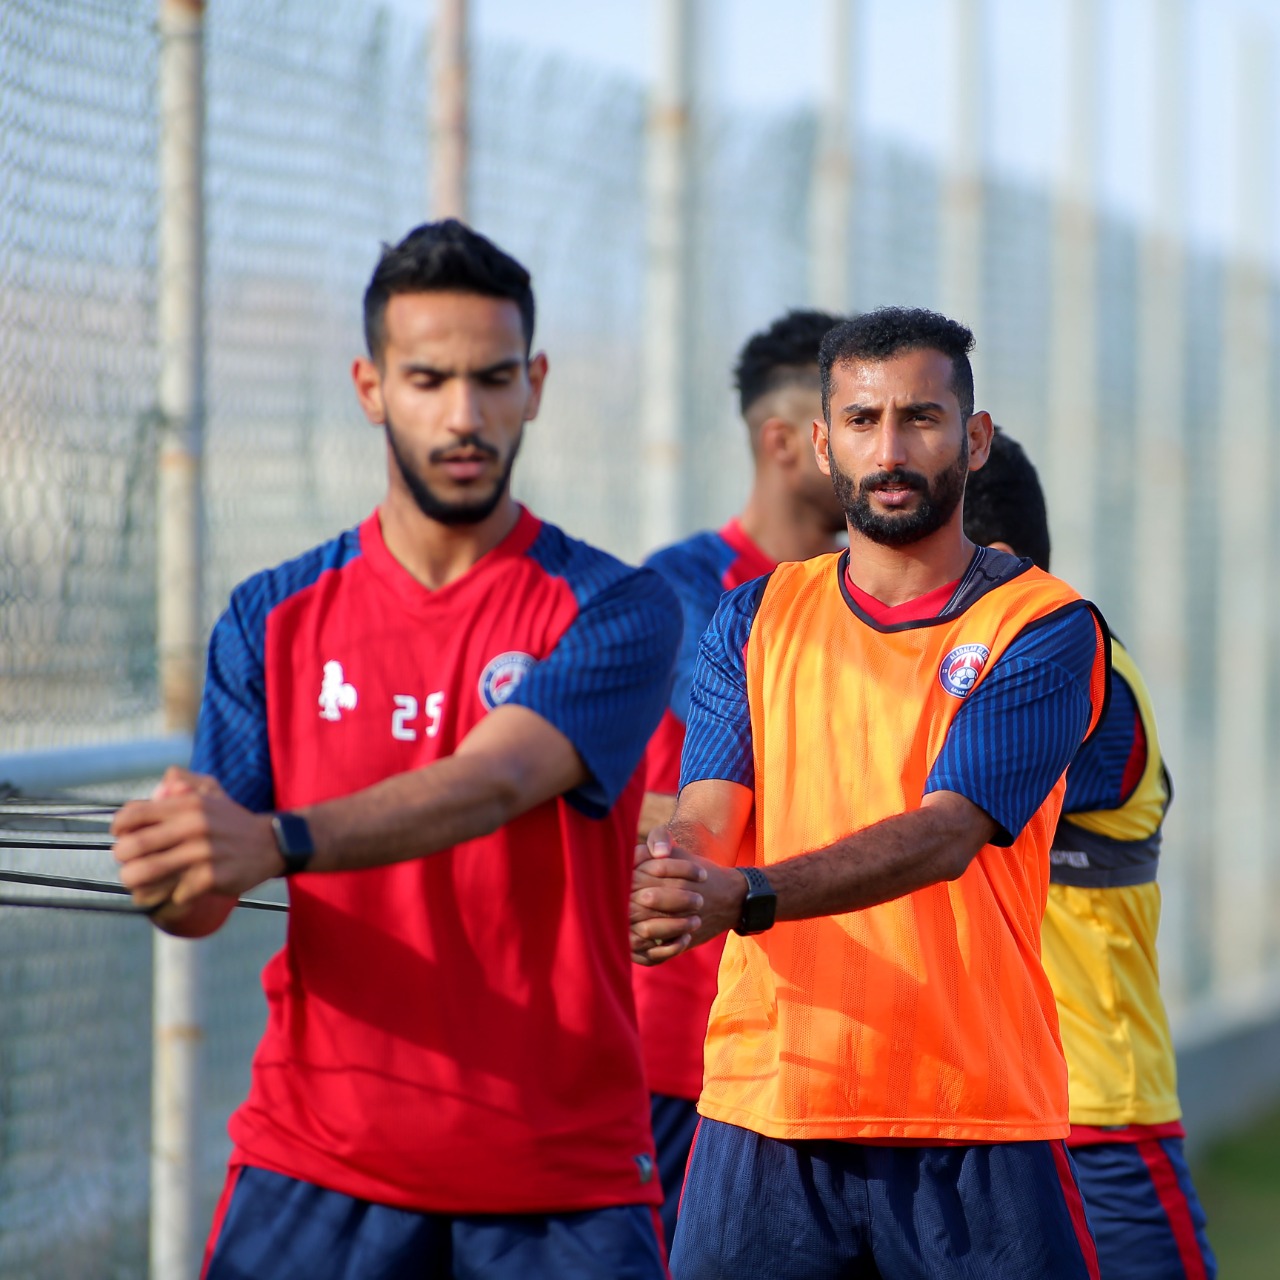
(74, 844)
(64, 904)
(81, 885)
(62, 882)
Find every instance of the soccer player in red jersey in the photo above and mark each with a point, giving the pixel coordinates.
(791, 513)
(431, 725)
(871, 776)
(1099, 938)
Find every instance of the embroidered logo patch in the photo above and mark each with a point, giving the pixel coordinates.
(961, 667)
(499, 678)
(336, 695)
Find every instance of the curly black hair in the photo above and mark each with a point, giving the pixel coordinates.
(882, 334)
(785, 351)
(440, 257)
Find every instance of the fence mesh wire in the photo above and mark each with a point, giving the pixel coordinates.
(316, 151)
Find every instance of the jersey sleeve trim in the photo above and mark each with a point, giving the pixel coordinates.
(231, 740)
(607, 680)
(1023, 724)
(718, 741)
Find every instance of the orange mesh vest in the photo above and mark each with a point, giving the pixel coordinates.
(927, 1019)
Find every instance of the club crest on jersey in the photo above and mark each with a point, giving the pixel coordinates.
(336, 695)
(961, 668)
(499, 679)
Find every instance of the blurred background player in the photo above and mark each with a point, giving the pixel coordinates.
(875, 758)
(450, 1079)
(792, 513)
(1099, 942)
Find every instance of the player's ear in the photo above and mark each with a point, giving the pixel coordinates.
(774, 440)
(980, 430)
(368, 384)
(821, 445)
(536, 371)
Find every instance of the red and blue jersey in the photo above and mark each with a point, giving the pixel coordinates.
(699, 570)
(673, 1000)
(454, 1033)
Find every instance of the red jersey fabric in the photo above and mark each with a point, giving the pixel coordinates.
(455, 1033)
(929, 605)
(674, 999)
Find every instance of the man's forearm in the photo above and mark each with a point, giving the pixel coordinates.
(888, 860)
(409, 815)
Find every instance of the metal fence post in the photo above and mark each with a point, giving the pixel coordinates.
(1160, 574)
(667, 355)
(1072, 453)
(1241, 470)
(830, 236)
(449, 113)
(960, 251)
(177, 1025)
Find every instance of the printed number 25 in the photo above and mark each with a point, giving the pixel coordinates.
(407, 711)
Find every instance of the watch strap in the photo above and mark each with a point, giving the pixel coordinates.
(293, 839)
(760, 905)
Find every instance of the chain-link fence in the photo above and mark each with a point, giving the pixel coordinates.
(316, 151)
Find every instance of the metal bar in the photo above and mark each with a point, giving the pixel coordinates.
(177, 1032)
(961, 223)
(1161, 494)
(830, 235)
(1072, 454)
(54, 810)
(62, 767)
(1243, 458)
(667, 355)
(450, 125)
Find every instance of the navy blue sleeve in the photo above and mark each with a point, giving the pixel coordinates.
(231, 734)
(717, 741)
(694, 570)
(1118, 750)
(1023, 723)
(605, 684)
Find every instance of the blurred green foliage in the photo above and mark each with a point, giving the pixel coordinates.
(1238, 1179)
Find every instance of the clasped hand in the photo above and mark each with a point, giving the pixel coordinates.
(191, 839)
(678, 900)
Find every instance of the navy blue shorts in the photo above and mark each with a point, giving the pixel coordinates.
(822, 1210)
(674, 1123)
(1144, 1211)
(272, 1226)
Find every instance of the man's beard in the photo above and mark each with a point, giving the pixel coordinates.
(938, 501)
(430, 503)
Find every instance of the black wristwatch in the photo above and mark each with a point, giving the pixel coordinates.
(759, 906)
(293, 839)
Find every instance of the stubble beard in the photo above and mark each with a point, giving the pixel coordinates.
(939, 498)
(430, 503)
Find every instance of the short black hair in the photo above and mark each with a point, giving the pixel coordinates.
(885, 333)
(783, 352)
(1003, 502)
(440, 257)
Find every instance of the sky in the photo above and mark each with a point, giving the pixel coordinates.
(758, 55)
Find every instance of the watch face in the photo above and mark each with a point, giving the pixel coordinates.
(758, 913)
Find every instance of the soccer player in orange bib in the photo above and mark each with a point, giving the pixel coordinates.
(791, 513)
(873, 770)
(1099, 941)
